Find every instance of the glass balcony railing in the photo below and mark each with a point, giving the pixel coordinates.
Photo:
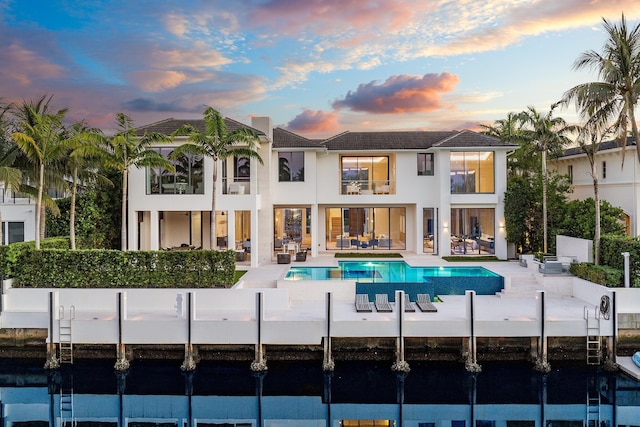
(368, 187)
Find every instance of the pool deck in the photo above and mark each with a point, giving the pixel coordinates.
(264, 308)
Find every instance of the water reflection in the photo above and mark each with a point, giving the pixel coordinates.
(154, 394)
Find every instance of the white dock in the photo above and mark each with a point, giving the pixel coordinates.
(628, 367)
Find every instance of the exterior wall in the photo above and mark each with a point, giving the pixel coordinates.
(320, 189)
(20, 210)
(621, 187)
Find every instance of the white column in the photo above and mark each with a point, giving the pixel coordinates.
(154, 230)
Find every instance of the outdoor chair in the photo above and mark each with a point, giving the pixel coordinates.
(362, 303)
(382, 303)
(424, 303)
(408, 305)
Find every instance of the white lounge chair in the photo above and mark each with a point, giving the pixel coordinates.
(362, 303)
(382, 303)
(424, 303)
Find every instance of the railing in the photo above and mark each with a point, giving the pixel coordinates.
(237, 186)
(368, 187)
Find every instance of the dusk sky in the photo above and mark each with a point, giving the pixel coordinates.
(316, 67)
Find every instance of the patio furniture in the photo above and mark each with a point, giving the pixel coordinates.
(284, 258)
(301, 256)
(362, 303)
(382, 189)
(382, 303)
(424, 303)
(353, 189)
(550, 267)
(408, 305)
(241, 255)
(373, 242)
(355, 242)
(384, 243)
(342, 243)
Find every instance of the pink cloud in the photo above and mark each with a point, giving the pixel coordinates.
(400, 94)
(156, 80)
(331, 16)
(26, 65)
(314, 121)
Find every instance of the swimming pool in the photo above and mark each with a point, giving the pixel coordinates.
(387, 276)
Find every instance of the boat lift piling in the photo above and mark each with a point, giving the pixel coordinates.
(259, 364)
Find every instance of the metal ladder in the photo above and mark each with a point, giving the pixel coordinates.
(594, 341)
(66, 401)
(593, 404)
(65, 342)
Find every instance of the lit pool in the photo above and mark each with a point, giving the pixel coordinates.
(388, 276)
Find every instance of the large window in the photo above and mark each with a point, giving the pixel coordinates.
(472, 230)
(472, 172)
(425, 164)
(292, 225)
(188, 178)
(365, 228)
(429, 230)
(291, 166)
(365, 174)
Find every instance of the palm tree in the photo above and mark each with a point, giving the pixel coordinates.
(546, 133)
(615, 97)
(39, 141)
(218, 144)
(10, 177)
(590, 136)
(126, 150)
(86, 151)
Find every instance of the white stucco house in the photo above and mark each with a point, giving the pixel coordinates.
(18, 217)
(417, 191)
(617, 183)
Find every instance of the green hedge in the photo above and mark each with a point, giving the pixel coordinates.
(9, 253)
(600, 274)
(113, 268)
(611, 249)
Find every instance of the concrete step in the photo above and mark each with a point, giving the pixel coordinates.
(521, 287)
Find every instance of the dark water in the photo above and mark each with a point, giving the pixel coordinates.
(226, 394)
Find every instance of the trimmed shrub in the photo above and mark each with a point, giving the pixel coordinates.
(600, 274)
(112, 268)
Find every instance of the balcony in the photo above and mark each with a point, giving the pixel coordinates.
(368, 187)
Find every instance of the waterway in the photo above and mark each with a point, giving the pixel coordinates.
(158, 394)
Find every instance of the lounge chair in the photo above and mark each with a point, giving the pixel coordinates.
(408, 305)
(424, 303)
(362, 303)
(382, 303)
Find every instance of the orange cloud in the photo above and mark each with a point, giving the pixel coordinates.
(157, 80)
(400, 94)
(314, 121)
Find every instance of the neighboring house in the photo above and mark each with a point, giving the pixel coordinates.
(18, 217)
(618, 185)
(422, 192)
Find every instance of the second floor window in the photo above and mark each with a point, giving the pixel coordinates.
(425, 164)
(290, 166)
(188, 178)
(242, 169)
(570, 173)
(472, 172)
(604, 170)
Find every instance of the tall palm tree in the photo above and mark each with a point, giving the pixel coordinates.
(86, 152)
(40, 140)
(10, 177)
(125, 151)
(218, 144)
(25, 115)
(614, 98)
(546, 133)
(590, 136)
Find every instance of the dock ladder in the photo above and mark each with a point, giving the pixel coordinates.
(66, 401)
(593, 404)
(594, 340)
(64, 327)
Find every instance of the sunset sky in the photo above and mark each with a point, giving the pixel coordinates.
(316, 67)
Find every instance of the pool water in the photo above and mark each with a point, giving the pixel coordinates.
(387, 276)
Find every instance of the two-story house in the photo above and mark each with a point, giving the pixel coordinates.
(18, 217)
(423, 192)
(618, 183)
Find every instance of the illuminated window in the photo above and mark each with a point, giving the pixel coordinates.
(472, 172)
